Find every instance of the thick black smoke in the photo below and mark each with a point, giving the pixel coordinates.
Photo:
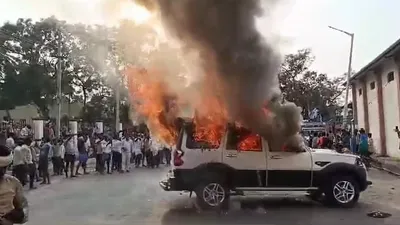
(225, 34)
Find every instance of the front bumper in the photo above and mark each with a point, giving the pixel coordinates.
(164, 184)
(172, 183)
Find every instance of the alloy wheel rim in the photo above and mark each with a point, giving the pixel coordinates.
(213, 194)
(344, 191)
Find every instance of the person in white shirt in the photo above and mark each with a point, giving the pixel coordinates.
(31, 167)
(62, 155)
(126, 153)
(106, 147)
(69, 157)
(19, 163)
(137, 151)
(99, 154)
(88, 145)
(25, 131)
(116, 147)
(10, 143)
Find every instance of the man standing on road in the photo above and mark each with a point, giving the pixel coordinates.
(106, 148)
(69, 155)
(99, 154)
(363, 145)
(354, 142)
(19, 163)
(116, 146)
(56, 159)
(46, 152)
(35, 153)
(126, 153)
(371, 145)
(83, 155)
(31, 167)
(137, 150)
(13, 204)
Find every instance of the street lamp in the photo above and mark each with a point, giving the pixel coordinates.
(345, 110)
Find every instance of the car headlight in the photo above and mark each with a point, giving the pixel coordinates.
(359, 162)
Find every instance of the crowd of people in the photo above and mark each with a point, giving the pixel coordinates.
(359, 142)
(69, 155)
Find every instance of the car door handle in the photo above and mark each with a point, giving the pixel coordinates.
(276, 157)
(231, 155)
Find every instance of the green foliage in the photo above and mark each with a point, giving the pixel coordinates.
(28, 65)
(307, 88)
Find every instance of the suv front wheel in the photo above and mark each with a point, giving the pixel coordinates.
(212, 195)
(343, 191)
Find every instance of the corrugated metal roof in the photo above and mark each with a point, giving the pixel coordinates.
(387, 53)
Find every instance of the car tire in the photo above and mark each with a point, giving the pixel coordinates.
(342, 191)
(212, 194)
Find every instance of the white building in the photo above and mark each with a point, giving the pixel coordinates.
(376, 99)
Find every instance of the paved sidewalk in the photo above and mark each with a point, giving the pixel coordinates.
(391, 165)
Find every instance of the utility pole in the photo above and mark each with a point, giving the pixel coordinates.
(117, 100)
(345, 108)
(59, 93)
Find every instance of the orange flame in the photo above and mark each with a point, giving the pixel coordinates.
(151, 99)
(210, 122)
(251, 143)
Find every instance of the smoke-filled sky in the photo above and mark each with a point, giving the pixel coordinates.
(303, 23)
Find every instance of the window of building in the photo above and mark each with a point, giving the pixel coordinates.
(390, 77)
(372, 85)
(193, 143)
(241, 139)
(359, 91)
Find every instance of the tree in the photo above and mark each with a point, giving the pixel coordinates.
(309, 89)
(35, 46)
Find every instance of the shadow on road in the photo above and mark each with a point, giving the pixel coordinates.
(269, 211)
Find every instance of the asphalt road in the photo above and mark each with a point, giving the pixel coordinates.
(136, 199)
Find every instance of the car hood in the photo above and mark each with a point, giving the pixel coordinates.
(330, 152)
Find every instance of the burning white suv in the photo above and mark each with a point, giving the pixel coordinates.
(216, 173)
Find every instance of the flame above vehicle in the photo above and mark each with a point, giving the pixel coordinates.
(236, 71)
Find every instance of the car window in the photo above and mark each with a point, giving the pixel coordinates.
(194, 143)
(242, 139)
(289, 149)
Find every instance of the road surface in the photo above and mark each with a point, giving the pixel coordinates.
(136, 199)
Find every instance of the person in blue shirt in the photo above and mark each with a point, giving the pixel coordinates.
(363, 146)
(354, 141)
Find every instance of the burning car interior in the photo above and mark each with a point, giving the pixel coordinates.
(238, 137)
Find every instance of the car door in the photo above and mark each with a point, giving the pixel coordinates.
(248, 162)
(289, 168)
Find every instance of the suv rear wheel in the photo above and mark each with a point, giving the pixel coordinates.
(343, 191)
(212, 195)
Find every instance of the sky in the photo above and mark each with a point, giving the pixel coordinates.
(299, 24)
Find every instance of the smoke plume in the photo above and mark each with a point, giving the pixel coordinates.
(245, 63)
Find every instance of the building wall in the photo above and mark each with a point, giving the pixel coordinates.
(27, 112)
(390, 107)
(360, 105)
(373, 113)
